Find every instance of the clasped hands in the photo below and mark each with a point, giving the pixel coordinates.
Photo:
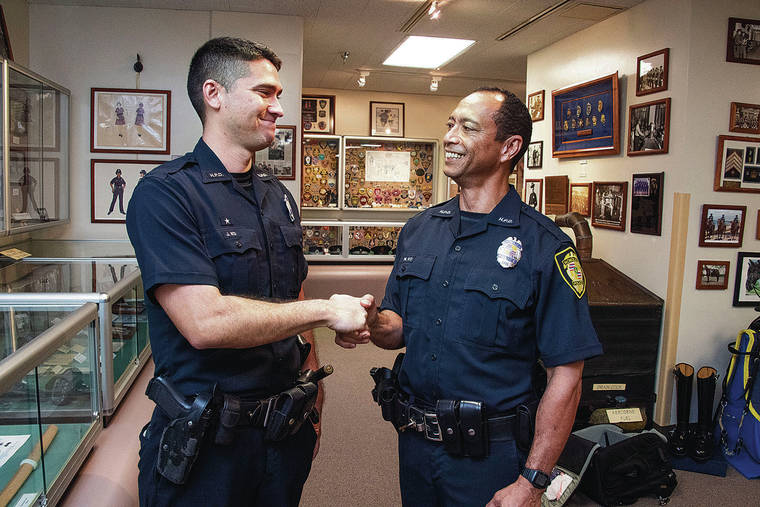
(352, 319)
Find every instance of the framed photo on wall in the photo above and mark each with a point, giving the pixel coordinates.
(712, 275)
(737, 164)
(386, 119)
(536, 105)
(649, 128)
(111, 185)
(742, 46)
(279, 158)
(533, 194)
(535, 155)
(646, 203)
(580, 198)
(747, 284)
(130, 121)
(652, 72)
(318, 114)
(722, 225)
(745, 118)
(609, 204)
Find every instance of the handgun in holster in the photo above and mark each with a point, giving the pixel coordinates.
(182, 438)
(387, 390)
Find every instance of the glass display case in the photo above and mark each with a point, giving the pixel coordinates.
(49, 403)
(350, 241)
(320, 157)
(35, 151)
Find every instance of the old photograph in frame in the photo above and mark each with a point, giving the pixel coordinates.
(712, 275)
(279, 158)
(722, 225)
(580, 198)
(556, 195)
(742, 44)
(130, 121)
(111, 185)
(533, 194)
(318, 114)
(649, 128)
(386, 119)
(652, 72)
(646, 203)
(747, 284)
(586, 119)
(536, 105)
(737, 164)
(5, 39)
(609, 204)
(535, 155)
(745, 118)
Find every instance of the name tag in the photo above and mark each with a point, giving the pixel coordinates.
(608, 387)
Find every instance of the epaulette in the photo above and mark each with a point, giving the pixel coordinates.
(545, 222)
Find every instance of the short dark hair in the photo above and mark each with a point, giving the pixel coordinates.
(224, 60)
(511, 119)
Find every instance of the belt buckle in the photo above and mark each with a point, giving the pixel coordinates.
(432, 428)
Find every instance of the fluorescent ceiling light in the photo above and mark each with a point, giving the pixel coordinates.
(427, 52)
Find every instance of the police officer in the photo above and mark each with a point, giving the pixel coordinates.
(219, 247)
(117, 190)
(483, 286)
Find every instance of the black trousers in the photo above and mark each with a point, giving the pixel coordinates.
(249, 472)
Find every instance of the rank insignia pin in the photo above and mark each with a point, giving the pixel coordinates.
(509, 252)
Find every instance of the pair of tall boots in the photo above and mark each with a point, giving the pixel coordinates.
(697, 442)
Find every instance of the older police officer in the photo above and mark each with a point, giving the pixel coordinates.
(482, 287)
(219, 247)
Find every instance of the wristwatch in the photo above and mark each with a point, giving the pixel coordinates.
(537, 478)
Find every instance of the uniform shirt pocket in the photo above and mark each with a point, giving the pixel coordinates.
(235, 252)
(413, 274)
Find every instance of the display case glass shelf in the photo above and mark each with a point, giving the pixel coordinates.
(350, 241)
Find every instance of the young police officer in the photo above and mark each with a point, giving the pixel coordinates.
(482, 287)
(219, 248)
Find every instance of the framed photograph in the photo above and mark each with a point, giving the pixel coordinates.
(533, 194)
(279, 158)
(318, 114)
(536, 105)
(743, 45)
(646, 203)
(609, 204)
(712, 275)
(745, 118)
(130, 121)
(386, 119)
(652, 72)
(580, 198)
(747, 285)
(555, 200)
(737, 164)
(111, 185)
(722, 225)
(535, 155)
(586, 119)
(649, 128)
(35, 115)
(5, 40)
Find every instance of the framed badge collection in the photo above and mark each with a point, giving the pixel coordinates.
(318, 114)
(737, 164)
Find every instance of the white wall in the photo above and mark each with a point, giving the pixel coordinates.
(701, 85)
(85, 47)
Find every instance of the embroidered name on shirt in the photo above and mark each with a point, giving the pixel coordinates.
(445, 212)
(215, 175)
(505, 220)
(230, 234)
(408, 259)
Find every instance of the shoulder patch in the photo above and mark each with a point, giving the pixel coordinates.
(570, 269)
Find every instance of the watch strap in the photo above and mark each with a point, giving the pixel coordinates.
(537, 478)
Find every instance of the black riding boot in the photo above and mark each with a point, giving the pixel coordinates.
(701, 445)
(680, 435)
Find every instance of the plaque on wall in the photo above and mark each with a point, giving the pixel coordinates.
(555, 195)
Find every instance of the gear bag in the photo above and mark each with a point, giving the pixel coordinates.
(738, 416)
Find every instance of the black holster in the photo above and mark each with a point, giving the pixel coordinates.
(386, 390)
(525, 425)
(290, 411)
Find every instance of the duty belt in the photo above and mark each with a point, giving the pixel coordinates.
(424, 419)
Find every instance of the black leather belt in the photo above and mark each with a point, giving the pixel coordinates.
(239, 411)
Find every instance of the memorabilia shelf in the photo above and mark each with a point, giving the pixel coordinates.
(325, 241)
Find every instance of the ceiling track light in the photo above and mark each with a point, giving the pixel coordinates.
(362, 79)
(434, 11)
(434, 83)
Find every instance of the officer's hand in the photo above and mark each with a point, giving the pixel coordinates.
(347, 314)
(349, 340)
(518, 494)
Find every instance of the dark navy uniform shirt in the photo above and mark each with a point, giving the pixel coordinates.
(475, 317)
(191, 223)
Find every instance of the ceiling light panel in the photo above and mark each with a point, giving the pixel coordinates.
(427, 52)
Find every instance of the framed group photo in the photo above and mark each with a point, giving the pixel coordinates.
(652, 72)
(722, 225)
(747, 284)
(130, 121)
(536, 105)
(648, 128)
(737, 164)
(533, 194)
(279, 158)
(111, 185)
(745, 118)
(580, 198)
(712, 275)
(535, 155)
(609, 204)
(386, 119)
(742, 46)
(318, 114)
(646, 203)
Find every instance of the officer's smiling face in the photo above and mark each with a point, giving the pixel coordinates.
(470, 145)
(251, 107)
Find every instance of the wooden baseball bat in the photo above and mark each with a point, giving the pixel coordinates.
(25, 469)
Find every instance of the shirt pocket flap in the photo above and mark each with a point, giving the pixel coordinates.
(292, 234)
(502, 284)
(418, 266)
(231, 240)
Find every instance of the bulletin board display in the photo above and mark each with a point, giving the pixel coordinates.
(320, 162)
(389, 174)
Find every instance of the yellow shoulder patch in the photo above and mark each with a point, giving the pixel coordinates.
(570, 269)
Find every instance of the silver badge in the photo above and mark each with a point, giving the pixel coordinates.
(509, 252)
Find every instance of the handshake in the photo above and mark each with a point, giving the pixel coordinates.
(352, 318)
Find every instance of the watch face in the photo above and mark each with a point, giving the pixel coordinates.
(537, 478)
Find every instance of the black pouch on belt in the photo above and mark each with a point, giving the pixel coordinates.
(446, 411)
(290, 410)
(472, 424)
(228, 419)
(525, 425)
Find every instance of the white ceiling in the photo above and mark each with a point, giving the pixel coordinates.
(370, 29)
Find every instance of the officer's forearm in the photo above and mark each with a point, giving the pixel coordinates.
(387, 330)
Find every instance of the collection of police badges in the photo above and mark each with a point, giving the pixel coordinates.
(583, 114)
(321, 240)
(415, 193)
(320, 173)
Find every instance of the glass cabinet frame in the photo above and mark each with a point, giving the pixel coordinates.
(347, 240)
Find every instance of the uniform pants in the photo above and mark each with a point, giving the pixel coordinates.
(430, 477)
(249, 472)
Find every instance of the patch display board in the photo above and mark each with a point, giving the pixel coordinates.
(372, 240)
(320, 158)
(323, 240)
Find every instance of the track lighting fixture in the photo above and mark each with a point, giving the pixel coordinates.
(362, 78)
(434, 83)
(434, 12)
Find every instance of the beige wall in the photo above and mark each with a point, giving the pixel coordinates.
(17, 21)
